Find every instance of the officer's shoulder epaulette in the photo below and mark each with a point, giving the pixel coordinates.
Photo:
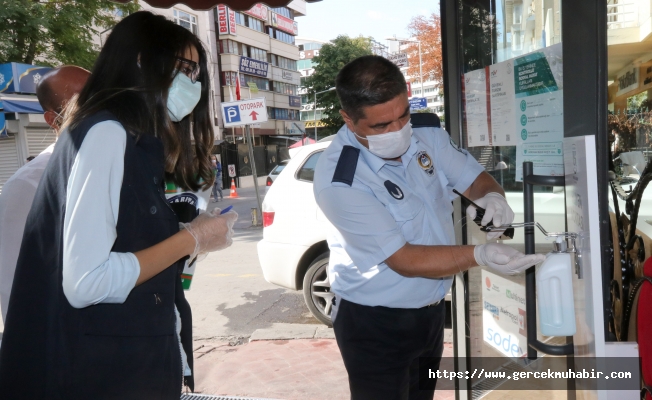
(425, 120)
(346, 165)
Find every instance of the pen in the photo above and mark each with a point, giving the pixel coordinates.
(226, 210)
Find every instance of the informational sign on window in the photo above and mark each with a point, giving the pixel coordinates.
(475, 95)
(503, 315)
(253, 88)
(539, 94)
(502, 95)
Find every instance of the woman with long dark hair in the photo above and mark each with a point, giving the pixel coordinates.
(97, 308)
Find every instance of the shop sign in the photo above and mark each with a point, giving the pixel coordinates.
(287, 75)
(232, 28)
(20, 78)
(503, 315)
(400, 59)
(223, 19)
(285, 24)
(295, 101)
(294, 128)
(253, 67)
(628, 81)
(258, 11)
(308, 54)
(3, 126)
(418, 103)
(307, 72)
(313, 124)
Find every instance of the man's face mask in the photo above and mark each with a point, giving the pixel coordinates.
(182, 97)
(390, 144)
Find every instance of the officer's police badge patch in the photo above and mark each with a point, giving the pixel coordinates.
(394, 190)
(425, 162)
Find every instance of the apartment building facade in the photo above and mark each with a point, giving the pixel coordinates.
(310, 116)
(258, 48)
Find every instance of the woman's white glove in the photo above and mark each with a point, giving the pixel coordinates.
(504, 259)
(211, 231)
(496, 210)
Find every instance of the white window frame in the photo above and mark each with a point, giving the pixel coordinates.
(180, 18)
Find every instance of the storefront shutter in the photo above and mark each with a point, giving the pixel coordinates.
(38, 139)
(8, 159)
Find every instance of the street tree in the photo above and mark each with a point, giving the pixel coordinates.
(332, 58)
(56, 32)
(427, 30)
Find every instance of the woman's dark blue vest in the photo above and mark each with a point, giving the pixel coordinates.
(51, 350)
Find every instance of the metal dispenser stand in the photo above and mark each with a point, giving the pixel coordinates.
(534, 345)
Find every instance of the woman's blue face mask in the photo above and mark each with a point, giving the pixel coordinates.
(183, 96)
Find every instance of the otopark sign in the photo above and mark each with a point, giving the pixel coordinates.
(244, 112)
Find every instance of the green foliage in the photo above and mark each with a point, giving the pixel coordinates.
(56, 32)
(424, 111)
(332, 58)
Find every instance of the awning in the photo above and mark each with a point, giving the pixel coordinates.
(20, 104)
(238, 5)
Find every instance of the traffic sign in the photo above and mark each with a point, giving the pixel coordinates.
(400, 59)
(244, 112)
(231, 171)
(418, 103)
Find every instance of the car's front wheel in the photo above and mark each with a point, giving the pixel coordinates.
(317, 290)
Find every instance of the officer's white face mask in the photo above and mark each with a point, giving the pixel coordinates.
(390, 144)
(182, 97)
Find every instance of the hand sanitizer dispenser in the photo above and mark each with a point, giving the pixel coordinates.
(554, 280)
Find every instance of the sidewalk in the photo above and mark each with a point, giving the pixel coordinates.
(310, 367)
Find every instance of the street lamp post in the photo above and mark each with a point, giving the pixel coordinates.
(418, 42)
(314, 110)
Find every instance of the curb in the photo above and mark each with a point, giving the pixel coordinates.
(280, 331)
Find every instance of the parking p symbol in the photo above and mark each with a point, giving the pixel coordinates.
(232, 114)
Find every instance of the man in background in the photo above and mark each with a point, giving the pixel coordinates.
(54, 91)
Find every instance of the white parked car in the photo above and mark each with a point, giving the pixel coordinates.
(294, 254)
(274, 173)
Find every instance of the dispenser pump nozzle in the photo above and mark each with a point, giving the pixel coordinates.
(558, 245)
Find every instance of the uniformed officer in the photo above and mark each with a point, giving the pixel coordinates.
(387, 189)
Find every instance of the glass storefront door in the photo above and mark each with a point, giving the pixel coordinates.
(512, 85)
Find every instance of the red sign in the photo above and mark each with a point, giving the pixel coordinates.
(223, 19)
(232, 29)
(259, 11)
(285, 24)
(409, 87)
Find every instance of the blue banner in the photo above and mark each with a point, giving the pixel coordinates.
(20, 78)
(253, 67)
(3, 125)
(295, 101)
(418, 103)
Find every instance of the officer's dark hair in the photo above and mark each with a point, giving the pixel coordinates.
(368, 81)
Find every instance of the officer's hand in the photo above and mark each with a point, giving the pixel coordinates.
(496, 210)
(504, 259)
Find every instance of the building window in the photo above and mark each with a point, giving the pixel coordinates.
(229, 79)
(284, 11)
(280, 35)
(518, 13)
(228, 46)
(284, 88)
(282, 62)
(282, 113)
(249, 22)
(186, 20)
(262, 83)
